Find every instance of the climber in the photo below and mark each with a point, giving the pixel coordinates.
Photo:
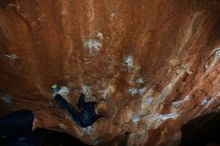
(89, 111)
(16, 129)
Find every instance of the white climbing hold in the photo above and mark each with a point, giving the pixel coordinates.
(128, 61)
(89, 129)
(149, 100)
(136, 118)
(93, 45)
(135, 91)
(204, 102)
(139, 81)
(217, 52)
(6, 99)
(12, 56)
(165, 117)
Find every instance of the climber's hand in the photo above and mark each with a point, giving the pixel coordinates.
(64, 91)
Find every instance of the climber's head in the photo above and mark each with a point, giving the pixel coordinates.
(101, 108)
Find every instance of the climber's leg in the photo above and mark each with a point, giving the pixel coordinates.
(81, 102)
(75, 115)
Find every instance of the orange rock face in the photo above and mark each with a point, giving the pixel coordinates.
(156, 62)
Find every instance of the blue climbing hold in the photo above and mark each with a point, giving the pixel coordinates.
(55, 88)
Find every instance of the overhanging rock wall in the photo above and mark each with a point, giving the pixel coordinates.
(155, 61)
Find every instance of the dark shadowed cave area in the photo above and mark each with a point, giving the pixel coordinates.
(46, 137)
(202, 131)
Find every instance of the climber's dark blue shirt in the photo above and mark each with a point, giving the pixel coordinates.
(86, 116)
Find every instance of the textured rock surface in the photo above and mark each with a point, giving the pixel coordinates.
(155, 61)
